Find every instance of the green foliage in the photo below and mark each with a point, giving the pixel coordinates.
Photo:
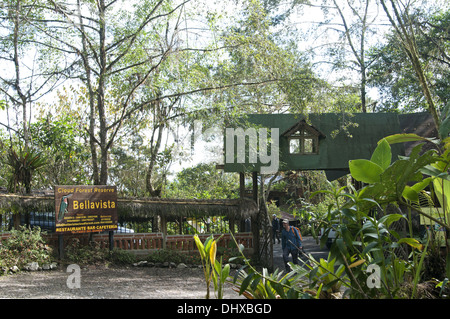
(121, 257)
(253, 284)
(92, 253)
(220, 276)
(208, 256)
(362, 222)
(257, 52)
(362, 240)
(23, 246)
(365, 171)
(213, 269)
(61, 135)
(23, 164)
(272, 208)
(390, 184)
(203, 181)
(324, 275)
(392, 74)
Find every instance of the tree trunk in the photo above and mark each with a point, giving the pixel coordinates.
(91, 94)
(405, 32)
(155, 149)
(22, 96)
(359, 56)
(101, 97)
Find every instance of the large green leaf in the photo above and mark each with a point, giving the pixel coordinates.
(410, 194)
(365, 171)
(407, 137)
(422, 184)
(371, 246)
(382, 155)
(404, 171)
(390, 218)
(225, 273)
(432, 171)
(245, 283)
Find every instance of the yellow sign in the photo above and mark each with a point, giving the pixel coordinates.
(84, 209)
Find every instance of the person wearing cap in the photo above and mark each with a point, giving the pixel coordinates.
(275, 228)
(290, 243)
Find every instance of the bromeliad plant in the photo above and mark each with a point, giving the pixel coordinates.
(254, 284)
(24, 164)
(324, 275)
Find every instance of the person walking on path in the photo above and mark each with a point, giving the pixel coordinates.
(275, 228)
(290, 243)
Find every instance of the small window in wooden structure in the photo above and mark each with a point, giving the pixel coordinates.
(303, 139)
(294, 146)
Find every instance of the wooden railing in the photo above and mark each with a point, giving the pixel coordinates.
(145, 242)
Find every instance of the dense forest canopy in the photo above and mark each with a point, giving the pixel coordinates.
(97, 91)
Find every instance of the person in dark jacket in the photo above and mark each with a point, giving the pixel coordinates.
(275, 228)
(290, 243)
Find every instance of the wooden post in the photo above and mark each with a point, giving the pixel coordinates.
(16, 220)
(60, 246)
(255, 220)
(241, 185)
(164, 231)
(111, 240)
(231, 224)
(242, 196)
(255, 187)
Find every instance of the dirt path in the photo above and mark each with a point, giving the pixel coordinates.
(100, 282)
(110, 283)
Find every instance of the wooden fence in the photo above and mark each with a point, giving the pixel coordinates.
(142, 243)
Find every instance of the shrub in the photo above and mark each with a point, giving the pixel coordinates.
(23, 246)
(88, 254)
(121, 257)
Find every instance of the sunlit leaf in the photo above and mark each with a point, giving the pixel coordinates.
(407, 137)
(382, 155)
(411, 242)
(410, 194)
(390, 218)
(200, 246)
(365, 171)
(212, 252)
(357, 263)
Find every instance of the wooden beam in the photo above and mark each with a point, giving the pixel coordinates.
(241, 185)
(164, 231)
(255, 220)
(255, 186)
